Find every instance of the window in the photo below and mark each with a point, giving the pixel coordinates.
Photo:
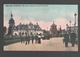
(15, 34)
(25, 27)
(22, 33)
(25, 33)
(40, 33)
(31, 33)
(22, 27)
(19, 33)
(37, 33)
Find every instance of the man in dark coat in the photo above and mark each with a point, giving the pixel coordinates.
(73, 37)
(36, 38)
(32, 37)
(22, 39)
(66, 39)
(48, 36)
(26, 38)
(39, 38)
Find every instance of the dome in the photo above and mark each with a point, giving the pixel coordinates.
(53, 25)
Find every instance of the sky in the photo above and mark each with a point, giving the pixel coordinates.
(43, 14)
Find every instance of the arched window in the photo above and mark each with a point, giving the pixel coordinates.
(31, 33)
(40, 33)
(19, 33)
(22, 33)
(37, 33)
(15, 34)
(25, 33)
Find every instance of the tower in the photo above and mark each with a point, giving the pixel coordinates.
(53, 30)
(11, 24)
(60, 28)
(11, 21)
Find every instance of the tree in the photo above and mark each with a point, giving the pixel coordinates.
(4, 29)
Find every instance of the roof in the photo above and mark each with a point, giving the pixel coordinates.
(26, 26)
(53, 25)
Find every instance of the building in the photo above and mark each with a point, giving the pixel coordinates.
(24, 29)
(11, 25)
(60, 32)
(53, 30)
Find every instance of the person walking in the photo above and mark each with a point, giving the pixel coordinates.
(66, 39)
(39, 39)
(73, 37)
(32, 37)
(22, 39)
(26, 38)
(36, 38)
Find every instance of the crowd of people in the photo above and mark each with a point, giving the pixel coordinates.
(31, 37)
(37, 38)
(69, 38)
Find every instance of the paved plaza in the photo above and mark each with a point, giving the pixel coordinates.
(54, 44)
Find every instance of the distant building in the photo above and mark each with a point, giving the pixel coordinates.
(61, 31)
(53, 30)
(23, 29)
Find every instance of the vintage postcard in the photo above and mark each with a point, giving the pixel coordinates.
(40, 27)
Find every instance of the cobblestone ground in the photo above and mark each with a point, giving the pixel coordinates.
(54, 44)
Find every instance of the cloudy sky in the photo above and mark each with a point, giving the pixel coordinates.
(43, 14)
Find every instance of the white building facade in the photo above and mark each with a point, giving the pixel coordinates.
(24, 29)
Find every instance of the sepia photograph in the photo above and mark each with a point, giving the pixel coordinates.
(40, 27)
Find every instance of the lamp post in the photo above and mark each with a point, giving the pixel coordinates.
(70, 27)
(67, 28)
(20, 32)
(35, 30)
(75, 22)
(75, 18)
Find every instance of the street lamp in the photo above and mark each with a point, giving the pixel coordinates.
(70, 27)
(35, 29)
(75, 18)
(20, 32)
(67, 28)
(75, 22)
